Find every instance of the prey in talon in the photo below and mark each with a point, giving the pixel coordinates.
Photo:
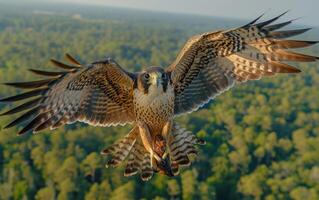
(162, 166)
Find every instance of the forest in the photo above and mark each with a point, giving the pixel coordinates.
(261, 137)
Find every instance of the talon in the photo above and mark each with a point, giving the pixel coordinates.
(157, 157)
(165, 154)
(151, 155)
(167, 150)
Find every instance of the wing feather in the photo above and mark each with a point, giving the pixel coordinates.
(46, 73)
(72, 60)
(31, 84)
(213, 62)
(99, 94)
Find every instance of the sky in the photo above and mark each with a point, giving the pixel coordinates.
(308, 10)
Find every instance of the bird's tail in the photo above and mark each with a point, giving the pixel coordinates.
(139, 160)
(131, 147)
(182, 147)
(121, 149)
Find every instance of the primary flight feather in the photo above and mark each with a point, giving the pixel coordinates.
(104, 94)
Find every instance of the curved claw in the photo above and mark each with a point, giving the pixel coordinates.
(156, 157)
(165, 167)
(167, 151)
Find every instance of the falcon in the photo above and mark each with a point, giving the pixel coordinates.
(102, 93)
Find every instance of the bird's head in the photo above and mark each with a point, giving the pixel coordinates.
(153, 80)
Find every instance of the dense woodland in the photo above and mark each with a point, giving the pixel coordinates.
(262, 137)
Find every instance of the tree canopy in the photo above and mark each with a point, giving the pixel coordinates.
(262, 137)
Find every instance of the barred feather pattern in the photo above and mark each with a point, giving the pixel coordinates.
(139, 161)
(99, 94)
(213, 62)
(135, 159)
(130, 147)
(121, 149)
(182, 148)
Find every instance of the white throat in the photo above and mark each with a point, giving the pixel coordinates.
(155, 95)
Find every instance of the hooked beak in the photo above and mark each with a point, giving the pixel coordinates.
(156, 79)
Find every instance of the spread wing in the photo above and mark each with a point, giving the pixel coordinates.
(99, 94)
(213, 62)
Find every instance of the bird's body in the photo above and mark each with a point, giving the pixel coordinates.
(104, 94)
(153, 98)
(155, 108)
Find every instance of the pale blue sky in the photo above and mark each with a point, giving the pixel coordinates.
(244, 9)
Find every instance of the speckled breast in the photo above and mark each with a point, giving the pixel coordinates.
(154, 109)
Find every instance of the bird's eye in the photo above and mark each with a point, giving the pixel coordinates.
(147, 76)
(163, 76)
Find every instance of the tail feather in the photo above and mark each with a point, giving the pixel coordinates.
(121, 149)
(139, 162)
(133, 165)
(182, 147)
(135, 160)
(146, 170)
(131, 147)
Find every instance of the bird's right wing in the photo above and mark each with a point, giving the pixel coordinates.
(99, 94)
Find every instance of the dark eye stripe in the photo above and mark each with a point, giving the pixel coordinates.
(164, 76)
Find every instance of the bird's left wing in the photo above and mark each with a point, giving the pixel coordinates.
(99, 94)
(213, 62)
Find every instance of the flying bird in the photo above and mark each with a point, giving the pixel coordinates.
(103, 93)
